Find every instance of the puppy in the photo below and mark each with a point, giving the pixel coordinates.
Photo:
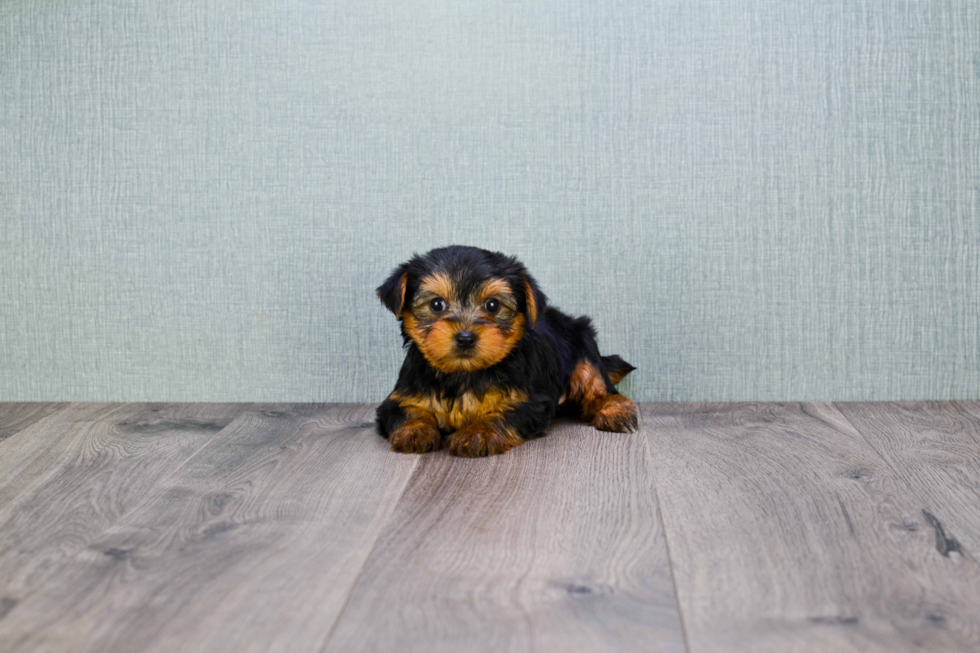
(489, 362)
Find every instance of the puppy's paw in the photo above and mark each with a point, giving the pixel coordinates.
(415, 436)
(617, 414)
(482, 439)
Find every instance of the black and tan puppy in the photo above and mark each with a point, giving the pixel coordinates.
(489, 362)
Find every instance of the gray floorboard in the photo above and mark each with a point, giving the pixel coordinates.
(555, 546)
(15, 417)
(934, 447)
(788, 532)
(718, 527)
(66, 478)
(252, 545)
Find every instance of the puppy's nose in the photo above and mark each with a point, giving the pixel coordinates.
(465, 339)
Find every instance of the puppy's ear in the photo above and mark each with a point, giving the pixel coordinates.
(392, 291)
(534, 299)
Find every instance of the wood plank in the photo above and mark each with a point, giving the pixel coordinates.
(788, 532)
(252, 545)
(554, 546)
(68, 477)
(15, 416)
(935, 448)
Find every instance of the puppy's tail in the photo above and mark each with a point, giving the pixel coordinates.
(616, 368)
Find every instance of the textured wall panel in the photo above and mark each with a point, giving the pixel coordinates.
(755, 200)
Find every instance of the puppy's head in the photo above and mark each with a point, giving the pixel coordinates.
(465, 308)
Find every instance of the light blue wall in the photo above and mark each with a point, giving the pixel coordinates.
(754, 199)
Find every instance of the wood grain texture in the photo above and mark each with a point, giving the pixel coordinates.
(934, 447)
(16, 416)
(252, 545)
(788, 532)
(66, 478)
(554, 546)
(799, 527)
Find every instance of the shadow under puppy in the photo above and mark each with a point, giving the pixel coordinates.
(489, 362)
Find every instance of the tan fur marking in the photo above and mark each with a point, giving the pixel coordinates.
(404, 285)
(439, 284)
(607, 412)
(411, 324)
(452, 414)
(439, 347)
(416, 435)
(437, 342)
(616, 377)
(483, 438)
(532, 306)
(587, 387)
(616, 413)
(490, 288)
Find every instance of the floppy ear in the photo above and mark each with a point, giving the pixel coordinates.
(534, 299)
(392, 291)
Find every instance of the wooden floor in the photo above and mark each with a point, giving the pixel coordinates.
(723, 527)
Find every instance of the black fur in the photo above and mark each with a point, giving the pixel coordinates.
(540, 365)
(616, 366)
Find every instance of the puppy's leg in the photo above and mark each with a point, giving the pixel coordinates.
(493, 434)
(602, 406)
(408, 427)
(483, 437)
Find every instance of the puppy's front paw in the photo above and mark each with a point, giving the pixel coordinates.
(482, 439)
(415, 436)
(617, 414)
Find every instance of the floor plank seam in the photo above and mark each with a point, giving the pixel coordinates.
(350, 592)
(975, 434)
(779, 520)
(53, 573)
(880, 455)
(907, 484)
(245, 411)
(13, 435)
(663, 529)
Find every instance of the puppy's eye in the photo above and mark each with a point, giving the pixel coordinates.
(492, 306)
(438, 305)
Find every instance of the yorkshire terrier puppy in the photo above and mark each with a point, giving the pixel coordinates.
(489, 362)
